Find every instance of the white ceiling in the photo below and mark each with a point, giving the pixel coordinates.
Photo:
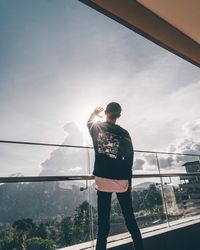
(182, 14)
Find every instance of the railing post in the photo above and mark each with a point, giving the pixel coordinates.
(90, 202)
(162, 191)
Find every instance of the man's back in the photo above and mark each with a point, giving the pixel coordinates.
(113, 150)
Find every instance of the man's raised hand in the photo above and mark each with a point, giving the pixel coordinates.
(97, 111)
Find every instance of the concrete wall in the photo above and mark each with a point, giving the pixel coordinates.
(183, 238)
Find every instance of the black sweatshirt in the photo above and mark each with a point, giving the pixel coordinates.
(113, 151)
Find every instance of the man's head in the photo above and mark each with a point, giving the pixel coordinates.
(113, 110)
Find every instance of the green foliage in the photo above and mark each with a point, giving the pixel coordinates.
(152, 197)
(147, 199)
(115, 209)
(142, 200)
(42, 231)
(81, 227)
(25, 226)
(26, 234)
(7, 239)
(66, 226)
(37, 243)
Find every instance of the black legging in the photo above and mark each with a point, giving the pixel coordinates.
(104, 205)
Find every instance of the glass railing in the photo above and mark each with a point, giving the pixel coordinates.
(56, 207)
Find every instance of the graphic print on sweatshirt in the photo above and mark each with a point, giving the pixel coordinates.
(107, 144)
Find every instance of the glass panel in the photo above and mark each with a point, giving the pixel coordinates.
(44, 214)
(28, 160)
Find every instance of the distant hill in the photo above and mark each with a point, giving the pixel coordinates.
(39, 200)
(47, 200)
(143, 186)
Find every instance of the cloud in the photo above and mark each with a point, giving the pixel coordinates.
(150, 159)
(166, 162)
(75, 169)
(187, 143)
(66, 160)
(138, 164)
(192, 129)
(189, 139)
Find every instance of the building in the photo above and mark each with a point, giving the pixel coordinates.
(170, 199)
(190, 187)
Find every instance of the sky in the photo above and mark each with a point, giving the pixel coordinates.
(61, 59)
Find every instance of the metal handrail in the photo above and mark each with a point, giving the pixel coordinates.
(90, 147)
(45, 144)
(85, 177)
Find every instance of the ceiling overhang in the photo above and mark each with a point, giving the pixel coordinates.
(171, 26)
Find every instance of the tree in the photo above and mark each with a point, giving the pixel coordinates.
(67, 231)
(37, 243)
(42, 231)
(6, 240)
(82, 222)
(151, 198)
(137, 200)
(23, 228)
(115, 209)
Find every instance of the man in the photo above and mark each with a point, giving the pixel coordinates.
(113, 172)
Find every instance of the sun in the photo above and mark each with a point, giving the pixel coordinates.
(98, 118)
(81, 121)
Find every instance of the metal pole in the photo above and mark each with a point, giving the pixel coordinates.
(90, 205)
(162, 191)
